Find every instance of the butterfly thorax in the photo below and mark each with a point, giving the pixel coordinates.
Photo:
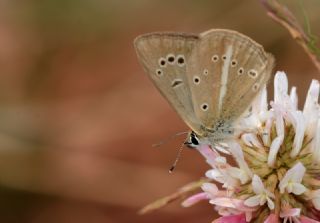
(220, 131)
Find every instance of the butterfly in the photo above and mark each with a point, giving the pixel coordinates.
(209, 79)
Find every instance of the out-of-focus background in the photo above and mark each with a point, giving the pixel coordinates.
(78, 115)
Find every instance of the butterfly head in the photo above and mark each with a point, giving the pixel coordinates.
(192, 140)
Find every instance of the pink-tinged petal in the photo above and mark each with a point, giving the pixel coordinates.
(294, 97)
(195, 199)
(280, 86)
(231, 219)
(274, 149)
(208, 153)
(272, 218)
(292, 212)
(224, 202)
(232, 203)
(304, 219)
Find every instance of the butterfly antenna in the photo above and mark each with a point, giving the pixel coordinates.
(169, 139)
(177, 158)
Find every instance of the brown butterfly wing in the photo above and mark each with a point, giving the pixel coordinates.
(228, 70)
(164, 57)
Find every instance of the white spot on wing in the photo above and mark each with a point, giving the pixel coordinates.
(224, 76)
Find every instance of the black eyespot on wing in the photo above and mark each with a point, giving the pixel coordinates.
(180, 60)
(176, 83)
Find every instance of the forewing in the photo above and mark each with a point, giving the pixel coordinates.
(228, 70)
(165, 57)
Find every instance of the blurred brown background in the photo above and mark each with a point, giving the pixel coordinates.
(78, 115)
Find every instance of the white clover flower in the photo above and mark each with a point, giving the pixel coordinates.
(291, 182)
(262, 195)
(277, 157)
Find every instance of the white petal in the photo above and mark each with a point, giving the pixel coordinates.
(316, 203)
(257, 184)
(251, 140)
(252, 201)
(270, 203)
(263, 200)
(238, 173)
(210, 188)
(266, 133)
(312, 97)
(280, 86)
(316, 145)
(297, 172)
(274, 149)
(215, 175)
(220, 160)
(294, 97)
(279, 120)
(221, 149)
(298, 188)
(237, 153)
(294, 175)
(298, 138)
(260, 104)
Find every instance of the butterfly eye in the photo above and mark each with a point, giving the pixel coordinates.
(196, 80)
(180, 60)
(192, 141)
(170, 58)
(234, 63)
(240, 71)
(162, 62)
(159, 72)
(253, 73)
(204, 106)
(215, 58)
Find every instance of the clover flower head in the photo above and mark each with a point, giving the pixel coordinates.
(275, 173)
